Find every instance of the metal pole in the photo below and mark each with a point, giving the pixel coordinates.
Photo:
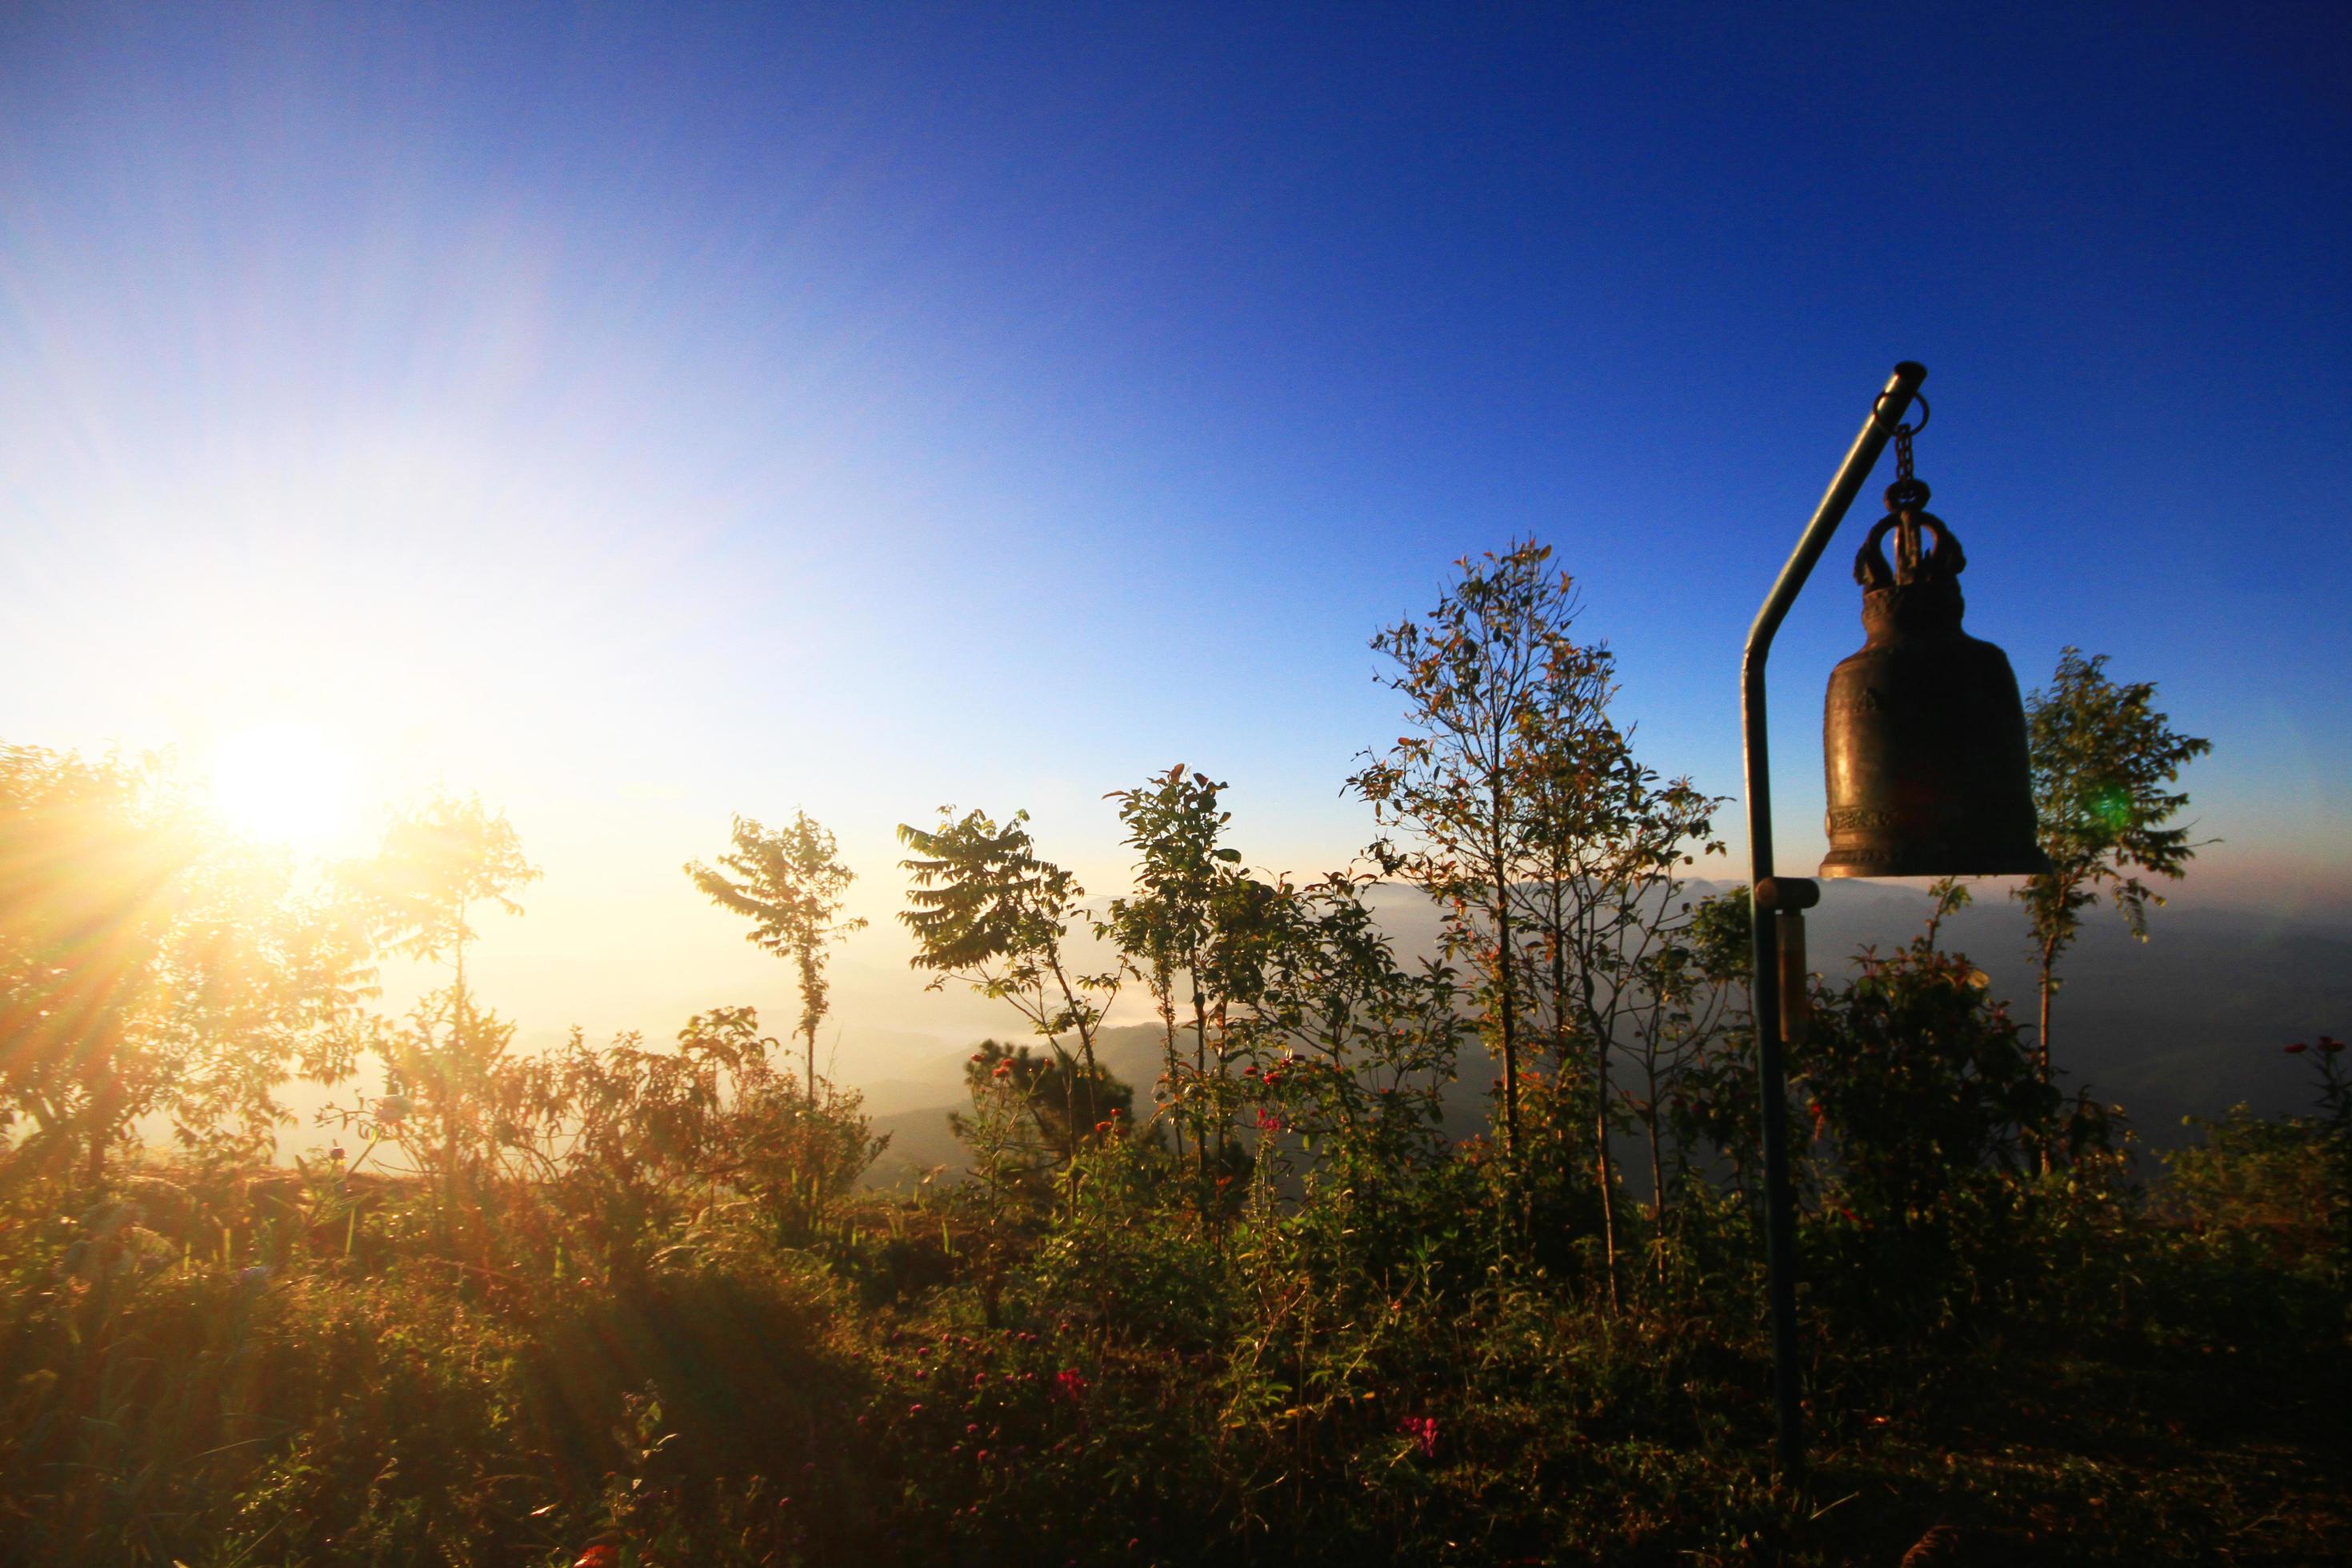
(1764, 993)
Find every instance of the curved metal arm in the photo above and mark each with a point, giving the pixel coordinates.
(1764, 986)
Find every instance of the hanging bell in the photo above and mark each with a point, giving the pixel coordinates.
(1922, 733)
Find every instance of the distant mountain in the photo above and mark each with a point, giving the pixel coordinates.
(2188, 1023)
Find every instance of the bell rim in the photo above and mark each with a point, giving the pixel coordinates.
(1856, 865)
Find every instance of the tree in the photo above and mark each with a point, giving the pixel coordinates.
(438, 862)
(1168, 928)
(1351, 1051)
(2101, 754)
(790, 885)
(151, 965)
(1604, 838)
(1921, 1088)
(985, 909)
(1694, 982)
(1019, 1128)
(1473, 673)
(636, 1139)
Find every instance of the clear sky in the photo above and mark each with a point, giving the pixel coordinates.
(642, 414)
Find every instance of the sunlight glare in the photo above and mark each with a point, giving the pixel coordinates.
(285, 783)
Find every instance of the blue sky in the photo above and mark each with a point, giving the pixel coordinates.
(645, 414)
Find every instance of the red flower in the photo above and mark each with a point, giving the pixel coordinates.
(599, 1556)
(2297, 1048)
(1070, 1385)
(2330, 1044)
(1422, 1430)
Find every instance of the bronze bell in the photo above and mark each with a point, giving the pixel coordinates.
(1922, 733)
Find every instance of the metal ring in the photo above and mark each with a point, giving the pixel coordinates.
(1926, 413)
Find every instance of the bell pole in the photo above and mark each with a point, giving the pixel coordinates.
(1776, 1001)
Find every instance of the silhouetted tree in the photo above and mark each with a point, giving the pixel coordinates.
(986, 910)
(790, 885)
(1167, 930)
(437, 863)
(1019, 1128)
(2101, 753)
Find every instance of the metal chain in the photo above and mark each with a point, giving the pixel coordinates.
(1908, 494)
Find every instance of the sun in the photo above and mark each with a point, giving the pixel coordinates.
(285, 783)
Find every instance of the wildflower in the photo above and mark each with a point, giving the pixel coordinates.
(2330, 1044)
(1070, 1385)
(1422, 1430)
(2297, 1048)
(600, 1555)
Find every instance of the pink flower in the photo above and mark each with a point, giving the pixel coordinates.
(1422, 1430)
(1070, 1385)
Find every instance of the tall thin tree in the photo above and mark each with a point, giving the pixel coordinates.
(788, 883)
(1167, 930)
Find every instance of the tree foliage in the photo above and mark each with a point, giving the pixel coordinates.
(2102, 755)
(154, 966)
(1019, 1127)
(446, 1086)
(1177, 934)
(788, 883)
(986, 910)
(1454, 792)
